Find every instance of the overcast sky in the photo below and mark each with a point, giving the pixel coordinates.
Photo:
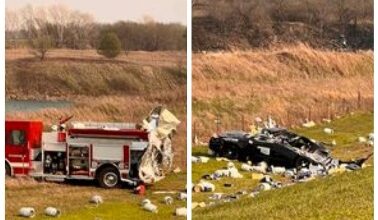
(115, 10)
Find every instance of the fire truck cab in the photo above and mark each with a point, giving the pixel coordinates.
(107, 152)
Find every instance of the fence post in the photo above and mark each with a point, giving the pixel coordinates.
(359, 100)
(242, 122)
(309, 114)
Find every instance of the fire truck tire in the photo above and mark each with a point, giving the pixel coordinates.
(8, 170)
(108, 177)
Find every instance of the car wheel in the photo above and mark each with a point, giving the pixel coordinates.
(302, 162)
(108, 178)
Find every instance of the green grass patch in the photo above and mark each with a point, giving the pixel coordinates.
(340, 196)
(73, 200)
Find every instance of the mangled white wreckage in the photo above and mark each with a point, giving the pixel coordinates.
(158, 157)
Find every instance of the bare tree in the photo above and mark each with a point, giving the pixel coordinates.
(60, 17)
(41, 44)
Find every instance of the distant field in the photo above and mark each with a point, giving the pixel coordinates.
(291, 84)
(340, 196)
(73, 200)
(158, 58)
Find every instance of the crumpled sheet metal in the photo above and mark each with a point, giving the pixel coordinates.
(158, 159)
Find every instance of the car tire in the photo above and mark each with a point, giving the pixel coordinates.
(108, 178)
(301, 162)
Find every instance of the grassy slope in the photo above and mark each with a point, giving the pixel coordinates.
(73, 200)
(343, 196)
(290, 83)
(74, 73)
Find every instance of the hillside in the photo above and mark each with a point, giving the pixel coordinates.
(124, 89)
(242, 25)
(74, 73)
(291, 84)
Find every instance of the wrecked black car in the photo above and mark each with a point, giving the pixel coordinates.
(276, 146)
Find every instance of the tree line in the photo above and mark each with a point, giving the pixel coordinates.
(263, 22)
(61, 27)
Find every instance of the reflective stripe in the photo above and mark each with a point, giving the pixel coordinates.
(19, 165)
(16, 155)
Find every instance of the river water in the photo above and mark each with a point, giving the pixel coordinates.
(32, 105)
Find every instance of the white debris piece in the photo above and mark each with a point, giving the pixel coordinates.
(198, 204)
(326, 120)
(264, 187)
(290, 173)
(168, 200)
(317, 169)
(370, 139)
(258, 120)
(231, 171)
(177, 170)
(204, 186)
(246, 167)
(333, 143)
(53, 212)
(309, 124)
(362, 139)
(181, 211)
(147, 205)
(222, 172)
(200, 159)
(182, 196)
(253, 194)
(96, 199)
(328, 131)
(371, 136)
(234, 173)
(222, 159)
(260, 168)
(278, 170)
(195, 159)
(216, 196)
(203, 159)
(145, 201)
(27, 212)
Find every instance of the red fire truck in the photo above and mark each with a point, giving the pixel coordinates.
(107, 152)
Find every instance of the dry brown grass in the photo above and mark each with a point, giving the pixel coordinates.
(68, 73)
(291, 84)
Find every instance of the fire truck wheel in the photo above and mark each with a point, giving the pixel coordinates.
(8, 170)
(108, 178)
